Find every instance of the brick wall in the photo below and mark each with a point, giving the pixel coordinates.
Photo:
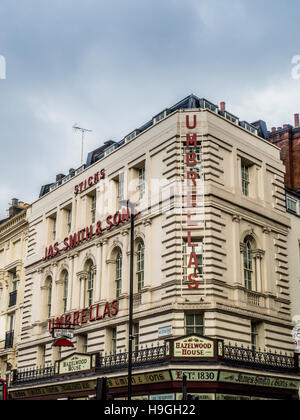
(288, 139)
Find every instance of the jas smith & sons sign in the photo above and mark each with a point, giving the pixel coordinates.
(88, 233)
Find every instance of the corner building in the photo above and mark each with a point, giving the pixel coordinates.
(210, 260)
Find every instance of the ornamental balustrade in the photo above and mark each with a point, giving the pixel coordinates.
(257, 358)
(233, 355)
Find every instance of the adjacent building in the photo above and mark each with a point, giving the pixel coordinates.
(210, 267)
(293, 207)
(287, 138)
(13, 243)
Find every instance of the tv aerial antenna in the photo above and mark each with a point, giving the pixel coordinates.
(83, 131)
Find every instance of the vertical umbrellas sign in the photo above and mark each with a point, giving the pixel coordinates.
(192, 213)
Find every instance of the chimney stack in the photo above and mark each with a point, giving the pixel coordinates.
(222, 106)
(14, 202)
(59, 177)
(273, 129)
(14, 208)
(297, 120)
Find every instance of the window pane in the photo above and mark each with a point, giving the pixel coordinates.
(194, 323)
(118, 275)
(199, 330)
(245, 179)
(140, 266)
(189, 319)
(199, 319)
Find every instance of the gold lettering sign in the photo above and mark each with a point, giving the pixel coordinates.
(144, 378)
(204, 397)
(75, 363)
(259, 380)
(193, 347)
(230, 397)
(195, 375)
(51, 390)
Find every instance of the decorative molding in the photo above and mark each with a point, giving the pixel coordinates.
(266, 230)
(82, 275)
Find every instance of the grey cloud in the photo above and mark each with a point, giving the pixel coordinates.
(111, 65)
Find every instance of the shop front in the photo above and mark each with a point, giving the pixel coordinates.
(213, 371)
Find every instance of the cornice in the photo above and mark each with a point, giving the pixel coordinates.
(17, 222)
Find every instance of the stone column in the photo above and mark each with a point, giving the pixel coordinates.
(269, 271)
(6, 289)
(98, 273)
(258, 255)
(82, 281)
(126, 266)
(237, 251)
(41, 313)
(74, 303)
(70, 285)
(147, 295)
(54, 290)
(104, 276)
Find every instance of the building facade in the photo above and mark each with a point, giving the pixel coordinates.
(211, 258)
(293, 207)
(287, 138)
(13, 243)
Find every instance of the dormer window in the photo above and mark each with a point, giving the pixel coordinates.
(231, 118)
(208, 105)
(160, 116)
(249, 127)
(131, 136)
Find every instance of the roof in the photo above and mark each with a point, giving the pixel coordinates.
(190, 102)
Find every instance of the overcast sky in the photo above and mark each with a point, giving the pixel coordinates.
(111, 65)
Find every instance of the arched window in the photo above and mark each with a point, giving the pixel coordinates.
(90, 283)
(248, 263)
(49, 295)
(65, 290)
(118, 274)
(140, 266)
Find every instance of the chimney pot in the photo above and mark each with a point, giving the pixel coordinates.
(273, 129)
(59, 177)
(222, 106)
(14, 202)
(297, 120)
